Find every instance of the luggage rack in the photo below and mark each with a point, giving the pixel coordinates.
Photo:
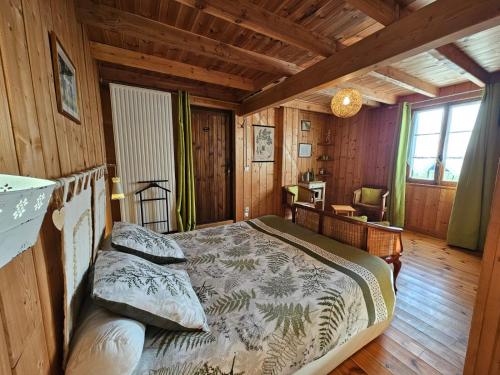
(153, 184)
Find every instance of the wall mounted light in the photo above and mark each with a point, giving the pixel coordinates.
(117, 189)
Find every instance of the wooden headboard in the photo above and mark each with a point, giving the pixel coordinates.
(82, 217)
(378, 240)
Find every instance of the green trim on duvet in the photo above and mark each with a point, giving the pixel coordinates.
(377, 266)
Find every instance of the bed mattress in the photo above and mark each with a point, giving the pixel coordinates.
(278, 298)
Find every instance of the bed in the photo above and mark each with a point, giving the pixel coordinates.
(279, 298)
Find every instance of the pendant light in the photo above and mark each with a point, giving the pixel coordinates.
(346, 103)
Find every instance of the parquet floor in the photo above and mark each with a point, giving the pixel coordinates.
(436, 291)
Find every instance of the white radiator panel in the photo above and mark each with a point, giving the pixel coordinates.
(143, 134)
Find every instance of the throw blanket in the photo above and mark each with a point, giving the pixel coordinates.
(277, 297)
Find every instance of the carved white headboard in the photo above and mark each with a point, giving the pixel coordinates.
(82, 221)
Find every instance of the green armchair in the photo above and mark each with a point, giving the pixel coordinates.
(371, 201)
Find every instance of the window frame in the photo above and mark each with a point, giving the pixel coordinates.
(444, 134)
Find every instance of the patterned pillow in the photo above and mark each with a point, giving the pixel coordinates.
(147, 292)
(145, 243)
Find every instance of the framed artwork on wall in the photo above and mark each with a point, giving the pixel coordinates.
(64, 80)
(305, 125)
(305, 150)
(263, 144)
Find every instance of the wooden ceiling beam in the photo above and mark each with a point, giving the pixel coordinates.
(369, 95)
(125, 57)
(406, 81)
(463, 64)
(112, 19)
(246, 14)
(385, 13)
(308, 106)
(165, 83)
(428, 28)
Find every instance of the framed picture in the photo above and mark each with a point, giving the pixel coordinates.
(64, 80)
(305, 150)
(263, 143)
(305, 125)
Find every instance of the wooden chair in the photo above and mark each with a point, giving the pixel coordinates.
(292, 194)
(375, 212)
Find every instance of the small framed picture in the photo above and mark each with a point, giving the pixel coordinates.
(263, 144)
(305, 150)
(305, 125)
(65, 80)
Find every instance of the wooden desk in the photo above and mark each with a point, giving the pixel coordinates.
(340, 209)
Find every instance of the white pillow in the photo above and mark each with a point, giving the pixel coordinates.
(145, 243)
(105, 343)
(152, 294)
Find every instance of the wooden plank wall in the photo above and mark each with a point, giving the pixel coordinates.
(362, 151)
(36, 140)
(428, 208)
(483, 351)
(293, 166)
(258, 185)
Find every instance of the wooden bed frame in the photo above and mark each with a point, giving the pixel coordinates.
(379, 240)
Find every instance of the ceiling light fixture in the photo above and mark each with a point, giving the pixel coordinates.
(346, 103)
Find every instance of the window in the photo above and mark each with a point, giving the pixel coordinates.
(439, 139)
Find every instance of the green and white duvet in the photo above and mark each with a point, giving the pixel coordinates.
(277, 296)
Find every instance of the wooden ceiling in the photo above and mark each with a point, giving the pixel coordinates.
(227, 50)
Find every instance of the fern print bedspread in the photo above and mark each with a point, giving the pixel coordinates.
(277, 296)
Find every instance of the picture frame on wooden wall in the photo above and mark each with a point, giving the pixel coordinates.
(65, 80)
(305, 125)
(305, 150)
(263, 144)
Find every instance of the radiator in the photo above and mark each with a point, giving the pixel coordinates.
(143, 135)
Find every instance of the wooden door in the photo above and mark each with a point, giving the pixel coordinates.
(213, 164)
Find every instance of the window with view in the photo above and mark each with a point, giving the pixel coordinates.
(439, 139)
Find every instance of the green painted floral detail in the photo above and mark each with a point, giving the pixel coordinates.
(203, 259)
(241, 264)
(286, 315)
(238, 251)
(277, 260)
(282, 350)
(140, 275)
(332, 315)
(281, 285)
(211, 240)
(180, 340)
(235, 301)
(315, 279)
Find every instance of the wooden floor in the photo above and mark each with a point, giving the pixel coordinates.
(436, 291)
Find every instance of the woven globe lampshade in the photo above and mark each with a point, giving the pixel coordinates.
(346, 103)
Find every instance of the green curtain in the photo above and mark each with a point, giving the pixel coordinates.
(186, 208)
(471, 209)
(397, 176)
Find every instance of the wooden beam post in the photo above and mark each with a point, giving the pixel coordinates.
(125, 57)
(428, 28)
(463, 64)
(247, 15)
(112, 19)
(382, 12)
(405, 80)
